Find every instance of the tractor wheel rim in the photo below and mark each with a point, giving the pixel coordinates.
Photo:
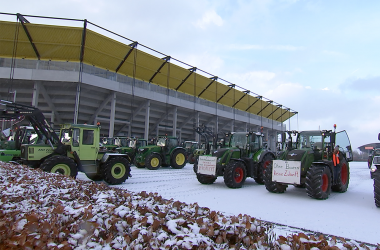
(344, 174)
(154, 162)
(61, 169)
(180, 159)
(118, 170)
(325, 182)
(266, 164)
(238, 175)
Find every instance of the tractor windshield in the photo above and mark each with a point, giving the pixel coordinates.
(238, 140)
(309, 139)
(161, 142)
(141, 143)
(257, 142)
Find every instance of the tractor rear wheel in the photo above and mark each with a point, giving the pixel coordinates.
(318, 182)
(343, 178)
(153, 162)
(206, 179)
(61, 165)
(272, 186)
(116, 170)
(235, 174)
(178, 159)
(376, 186)
(267, 159)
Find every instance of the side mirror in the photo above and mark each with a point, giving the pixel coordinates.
(378, 136)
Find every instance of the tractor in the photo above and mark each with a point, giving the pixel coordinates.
(245, 156)
(12, 139)
(165, 152)
(375, 175)
(190, 147)
(208, 144)
(130, 146)
(319, 162)
(76, 148)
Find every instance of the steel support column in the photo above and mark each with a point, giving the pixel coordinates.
(147, 114)
(112, 115)
(175, 121)
(36, 93)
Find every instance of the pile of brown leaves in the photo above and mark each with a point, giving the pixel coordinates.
(40, 210)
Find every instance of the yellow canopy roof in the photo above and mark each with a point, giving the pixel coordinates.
(62, 43)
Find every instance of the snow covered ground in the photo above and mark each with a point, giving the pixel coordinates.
(351, 215)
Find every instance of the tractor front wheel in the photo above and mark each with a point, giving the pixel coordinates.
(206, 179)
(138, 165)
(116, 170)
(343, 177)
(61, 165)
(235, 174)
(318, 182)
(191, 159)
(153, 162)
(267, 159)
(195, 166)
(376, 186)
(272, 186)
(178, 159)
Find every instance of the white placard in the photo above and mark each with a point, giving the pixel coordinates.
(207, 165)
(286, 171)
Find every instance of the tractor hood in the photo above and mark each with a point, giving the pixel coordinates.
(219, 153)
(295, 155)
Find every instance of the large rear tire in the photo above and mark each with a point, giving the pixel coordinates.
(178, 159)
(153, 162)
(61, 165)
(318, 182)
(343, 178)
(271, 186)
(376, 186)
(116, 170)
(235, 174)
(267, 159)
(206, 179)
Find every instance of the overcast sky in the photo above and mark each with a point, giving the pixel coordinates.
(319, 58)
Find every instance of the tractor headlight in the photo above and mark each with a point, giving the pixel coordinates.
(142, 150)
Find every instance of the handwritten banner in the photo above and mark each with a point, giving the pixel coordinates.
(286, 171)
(207, 165)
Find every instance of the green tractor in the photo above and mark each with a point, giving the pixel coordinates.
(11, 142)
(375, 175)
(286, 143)
(245, 156)
(190, 147)
(112, 143)
(166, 152)
(130, 146)
(76, 148)
(319, 162)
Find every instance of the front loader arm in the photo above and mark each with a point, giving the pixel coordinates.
(17, 111)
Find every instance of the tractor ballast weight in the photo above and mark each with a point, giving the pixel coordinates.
(245, 156)
(319, 161)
